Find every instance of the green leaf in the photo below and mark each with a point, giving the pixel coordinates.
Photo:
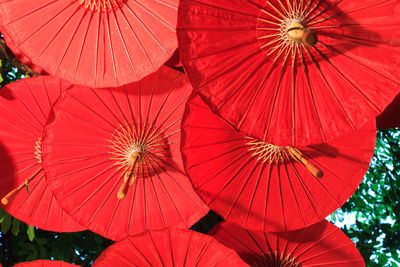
(3, 214)
(5, 225)
(15, 226)
(31, 232)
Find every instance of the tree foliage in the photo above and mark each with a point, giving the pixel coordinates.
(375, 206)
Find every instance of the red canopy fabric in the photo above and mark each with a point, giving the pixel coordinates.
(168, 247)
(112, 156)
(321, 244)
(45, 263)
(97, 43)
(292, 72)
(264, 187)
(390, 117)
(24, 109)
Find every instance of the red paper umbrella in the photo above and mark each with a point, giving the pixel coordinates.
(266, 187)
(390, 117)
(112, 156)
(45, 263)
(24, 108)
(321, 244)
(292, 72)
(168, 247)
(93, 42)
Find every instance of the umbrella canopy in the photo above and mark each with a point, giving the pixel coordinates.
(45, 263)
(292, 72)
(97, 43)
(168, 247)
(112, 156)
(321, 244)
(265, 187)
(390, 117)
(24, 109)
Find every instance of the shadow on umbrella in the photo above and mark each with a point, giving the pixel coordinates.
(7, 93)
(345, 40)
(326, 150)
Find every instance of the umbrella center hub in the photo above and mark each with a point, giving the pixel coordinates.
(276, 259)
(295, 31)
(267, 152)
(101, 6)
(137, 152)
(139, 148)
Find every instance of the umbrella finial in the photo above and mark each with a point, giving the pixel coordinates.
(298, 33)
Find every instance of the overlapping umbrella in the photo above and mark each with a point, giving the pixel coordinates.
(168, 247)
(266, 187)
(292, 72)
(321, 244)
(112, 157)
(24, 109)
(93, 42)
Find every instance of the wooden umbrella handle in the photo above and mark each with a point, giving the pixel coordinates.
(314, 170)
(128, 175)
(122, 190)
(10, 195)
(124, 186)
(13, 192)
(311, 167)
